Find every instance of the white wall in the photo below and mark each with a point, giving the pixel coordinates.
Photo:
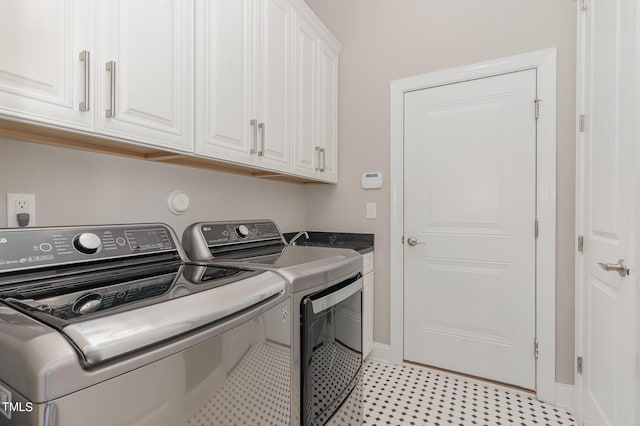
(76, 188)
(385, 40)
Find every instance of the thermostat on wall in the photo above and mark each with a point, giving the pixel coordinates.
(372, 180)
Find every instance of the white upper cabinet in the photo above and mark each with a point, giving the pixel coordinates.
(306, 147)
(42, 76)
(243, 81)
(267, 86)
(327, 112)
(276, 84)
(145, 71)
(249, 82)
(226, 64)
(316, 101)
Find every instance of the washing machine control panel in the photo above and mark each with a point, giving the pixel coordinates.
(38, 247)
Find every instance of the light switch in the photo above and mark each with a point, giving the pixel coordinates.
(372, 210)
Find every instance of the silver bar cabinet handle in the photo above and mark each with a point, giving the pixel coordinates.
(86, 59)
(111, 67)
(324, 159)
(254, 124)
(621, 267)
(262, 131)
(318, 159)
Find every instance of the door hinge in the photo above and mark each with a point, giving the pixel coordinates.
(583, 4)
(581, 123)
(536, 103)
(535, 348)
(579, 365)
(536, 229)
(580, 243)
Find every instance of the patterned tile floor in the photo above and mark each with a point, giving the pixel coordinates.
(251, 395)
(414, 395)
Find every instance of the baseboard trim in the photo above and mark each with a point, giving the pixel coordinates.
(565, 396)
(380, 352)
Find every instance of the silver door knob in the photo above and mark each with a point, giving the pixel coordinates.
(621, 267)
(413, 241)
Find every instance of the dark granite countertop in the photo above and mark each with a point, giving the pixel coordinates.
(362, 243)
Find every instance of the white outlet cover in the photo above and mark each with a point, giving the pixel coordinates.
(12, 203)
(178, 202)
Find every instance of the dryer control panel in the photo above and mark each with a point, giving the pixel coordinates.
(219, 233)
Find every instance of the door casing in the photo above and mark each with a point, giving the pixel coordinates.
(544, 61)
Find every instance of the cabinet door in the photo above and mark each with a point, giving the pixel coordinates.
(41, 75)
(328, 112)
(306, 150)
(145, 71)
(276, 86)
(226, 63)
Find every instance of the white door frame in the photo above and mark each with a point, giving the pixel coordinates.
(544, 61)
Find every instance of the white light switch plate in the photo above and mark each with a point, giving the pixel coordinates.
(372, 210)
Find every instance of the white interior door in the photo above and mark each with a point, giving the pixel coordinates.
(470, 203)
(606, 299)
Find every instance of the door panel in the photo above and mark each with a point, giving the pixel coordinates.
(328, 111)
(305, 161)
(141, 69)
(477, 197)
(607, 305)
(225, 77)
(467, 318)
(152, 46)
(470, 196)
(601, 302)
(276, 85)
(41, 75)
(36, 60)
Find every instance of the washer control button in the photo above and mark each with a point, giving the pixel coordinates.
(45, 247)
(242, 231)
(87, 303)
(87, 243)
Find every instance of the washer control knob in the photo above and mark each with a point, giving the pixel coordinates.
(242, 231)
(87, 243)
(87, 303)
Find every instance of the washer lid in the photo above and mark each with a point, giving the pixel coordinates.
(108, 337)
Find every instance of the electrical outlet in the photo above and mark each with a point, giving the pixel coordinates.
(20, 204)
